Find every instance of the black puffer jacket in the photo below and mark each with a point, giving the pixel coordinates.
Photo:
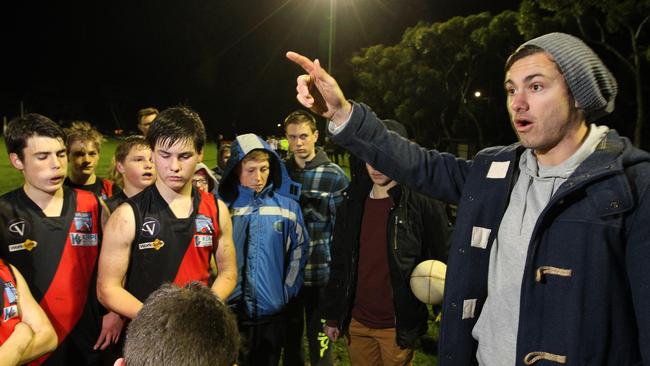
(418, 229)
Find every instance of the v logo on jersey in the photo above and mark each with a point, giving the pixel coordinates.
(150, 227)
(18, 227)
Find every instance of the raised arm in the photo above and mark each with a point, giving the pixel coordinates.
(44, 338)
(319, 91)
(225, 256)
(119, 233)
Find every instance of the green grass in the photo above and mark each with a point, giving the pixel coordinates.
(425, 352)
(11, 179)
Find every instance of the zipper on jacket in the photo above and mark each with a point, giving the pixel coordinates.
(395, 233)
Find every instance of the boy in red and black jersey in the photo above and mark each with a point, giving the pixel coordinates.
(83, 144)
(167, 232)
(51, 234)
(25, 331)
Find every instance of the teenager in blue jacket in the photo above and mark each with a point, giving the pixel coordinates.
(271, 242)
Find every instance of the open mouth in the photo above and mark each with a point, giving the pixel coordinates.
(147, 175)
(522, 123)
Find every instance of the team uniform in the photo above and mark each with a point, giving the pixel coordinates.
(58, 258)
(102, 188)
(8, 302)
(168, 249)
(116, 200)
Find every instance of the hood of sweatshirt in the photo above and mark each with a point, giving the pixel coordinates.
(279, 179)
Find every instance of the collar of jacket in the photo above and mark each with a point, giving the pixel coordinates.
(318, 160)
(246, 195)
(396, 193)
(610, 159)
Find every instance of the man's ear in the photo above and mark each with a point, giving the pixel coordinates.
(316, 134)
(201, 155)
(16, 162)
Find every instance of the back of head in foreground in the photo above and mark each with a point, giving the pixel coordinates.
(182, 326)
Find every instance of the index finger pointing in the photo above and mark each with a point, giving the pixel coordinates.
(301, 60)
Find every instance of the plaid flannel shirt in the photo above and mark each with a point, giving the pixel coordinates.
(323, 183)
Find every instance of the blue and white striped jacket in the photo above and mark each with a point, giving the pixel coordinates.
(270, 237)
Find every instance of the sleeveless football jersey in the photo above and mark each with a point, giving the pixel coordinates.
(8, 302)
(58, 258)
(168, 249)
(116, 200)
(102, 188)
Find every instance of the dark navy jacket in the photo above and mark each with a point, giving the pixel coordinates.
(585, 296)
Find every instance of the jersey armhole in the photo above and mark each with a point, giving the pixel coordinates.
(137, 220)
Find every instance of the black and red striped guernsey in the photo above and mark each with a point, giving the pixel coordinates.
(8, 302)
(169, 249)
(102, 188)
(58, 258)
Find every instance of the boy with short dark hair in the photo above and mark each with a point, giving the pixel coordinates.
(51, 234)
(169, 231)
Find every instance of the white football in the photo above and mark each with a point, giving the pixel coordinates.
(428, 281)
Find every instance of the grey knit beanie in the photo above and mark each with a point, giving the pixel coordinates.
(590, 82)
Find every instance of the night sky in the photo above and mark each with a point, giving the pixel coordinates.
(102, 61)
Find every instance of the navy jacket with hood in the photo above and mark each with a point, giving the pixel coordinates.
(585, 292)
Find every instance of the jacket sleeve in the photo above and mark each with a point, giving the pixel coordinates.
(437, 229)
(437, 174)
(336, 197)
(334, 299)
(297, 253)
(637, 259)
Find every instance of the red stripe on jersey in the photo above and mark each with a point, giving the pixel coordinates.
(107, 188)
(196, 261)
(7, 327)
(66, 297)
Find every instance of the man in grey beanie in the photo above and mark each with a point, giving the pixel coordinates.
(547, 264)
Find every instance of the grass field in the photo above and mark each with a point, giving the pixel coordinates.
(11, 179)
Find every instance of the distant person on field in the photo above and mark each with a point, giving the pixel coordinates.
(145, 119)
(182, 326)
(222, 159)
(83, 143)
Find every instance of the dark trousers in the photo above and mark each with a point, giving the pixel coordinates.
(306, 305)
(261, 342)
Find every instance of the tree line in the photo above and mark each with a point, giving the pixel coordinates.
(445, 80)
